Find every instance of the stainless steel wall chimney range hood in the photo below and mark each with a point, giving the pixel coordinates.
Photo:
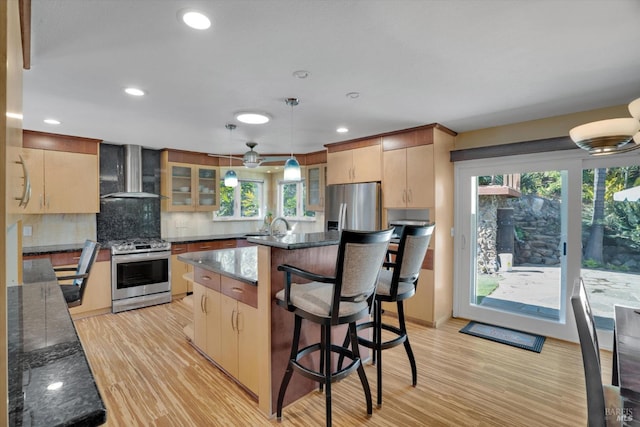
(132, 176)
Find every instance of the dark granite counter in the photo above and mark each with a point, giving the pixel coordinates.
(50, 381)
(51, 249)
(72, 247)
(210, 237)
(298, 240)
(237, 263)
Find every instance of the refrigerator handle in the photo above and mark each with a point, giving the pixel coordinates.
(341, 216)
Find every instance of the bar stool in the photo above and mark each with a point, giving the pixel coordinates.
(333, 301)
(397, 282)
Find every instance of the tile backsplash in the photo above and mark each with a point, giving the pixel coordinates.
(59, 229)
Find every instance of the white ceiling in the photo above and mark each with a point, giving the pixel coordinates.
(464, 64)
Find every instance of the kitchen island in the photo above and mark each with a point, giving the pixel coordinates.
(50, 381)
(253, 270)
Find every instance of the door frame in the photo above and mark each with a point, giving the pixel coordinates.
(570, 161)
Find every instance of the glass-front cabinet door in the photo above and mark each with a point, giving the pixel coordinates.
(181, 191)
(316, 179)
(191, 188)
(207, 189)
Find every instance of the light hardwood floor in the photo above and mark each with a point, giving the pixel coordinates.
(148, 374)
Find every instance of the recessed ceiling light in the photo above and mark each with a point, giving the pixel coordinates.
(353, 95)
(52, 121)
(195, 19)
(342, 129)
(301, 74)
(252, 118)
(134, 91)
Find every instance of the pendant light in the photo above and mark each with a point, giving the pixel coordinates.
(291, 166)
(230, 178)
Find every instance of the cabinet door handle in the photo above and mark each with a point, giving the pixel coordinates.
(410, 196)
(178, 249)
(238, 315)
(206, 277)
(233, 327)
(205, 247)
(75, 258)
(404, 196)
(202, 309)
(237, 290)
(41, 201)
(26, 192)
(48, 202)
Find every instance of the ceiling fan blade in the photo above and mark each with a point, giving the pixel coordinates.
(270, 159)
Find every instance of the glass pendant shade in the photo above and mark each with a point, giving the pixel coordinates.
(230, 178)
(292, 170)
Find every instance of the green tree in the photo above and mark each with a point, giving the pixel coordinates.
(593, 249)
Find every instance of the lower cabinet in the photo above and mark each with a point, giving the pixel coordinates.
(97, 296)
(206, 316)
(225, 324)
(179, 285)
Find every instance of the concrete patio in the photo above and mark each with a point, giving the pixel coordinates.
(537, 285)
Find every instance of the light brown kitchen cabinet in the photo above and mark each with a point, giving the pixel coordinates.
(427, 180)
(408, 177)
(190, 188)
(97, 296)
(316, 176)
(62, 182)
(356, 165)
(206, 316)
(226, 324)
(179, 285)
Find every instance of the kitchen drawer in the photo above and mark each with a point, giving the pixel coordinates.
(243, 243)
(211, 245)
(179, 248)
(206, 278)
(240, 291)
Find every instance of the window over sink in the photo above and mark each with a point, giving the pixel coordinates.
(242, 202)
(292, 201)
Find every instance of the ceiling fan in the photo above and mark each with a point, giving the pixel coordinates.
(251, 159)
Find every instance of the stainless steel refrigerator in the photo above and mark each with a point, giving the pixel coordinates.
(353, 206)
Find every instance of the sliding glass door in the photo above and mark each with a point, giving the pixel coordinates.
(527, 227)
(512, 247)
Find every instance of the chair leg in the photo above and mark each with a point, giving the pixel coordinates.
(289, 371)
(407, 346)
(326, 330)
(377, 330)
(355, 348)
(345, 344)
(322, 346)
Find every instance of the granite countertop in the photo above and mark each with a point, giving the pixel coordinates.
(237, 263)
(72, 247)
(298, 240)
(44, 349)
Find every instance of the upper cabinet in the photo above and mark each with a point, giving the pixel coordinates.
(363, 163)
(63, 177)
(189, 187)
(408, 178)
(316, 178)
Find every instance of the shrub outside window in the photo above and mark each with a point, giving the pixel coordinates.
(292, 201)
(240, 202)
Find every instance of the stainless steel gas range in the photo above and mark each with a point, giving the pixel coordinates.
(140, 273)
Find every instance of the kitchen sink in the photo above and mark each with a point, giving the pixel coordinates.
(257, 234)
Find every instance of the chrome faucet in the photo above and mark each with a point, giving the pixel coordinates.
(280, 218)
